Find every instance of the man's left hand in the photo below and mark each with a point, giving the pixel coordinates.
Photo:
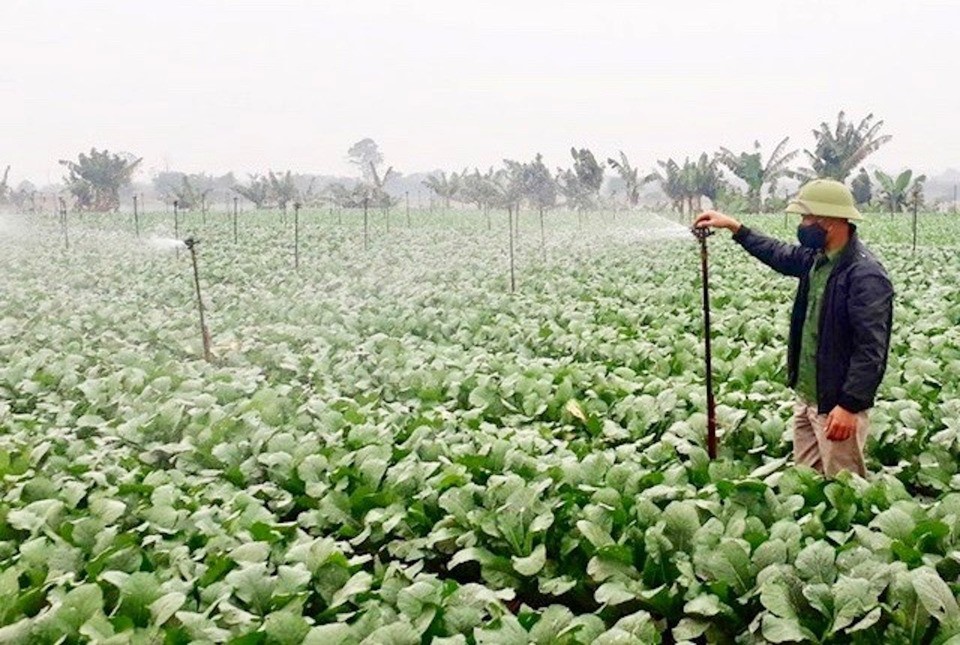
(841, 424)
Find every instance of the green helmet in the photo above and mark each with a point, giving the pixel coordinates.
(825, 198)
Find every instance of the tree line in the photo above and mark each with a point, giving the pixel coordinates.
(94, 180)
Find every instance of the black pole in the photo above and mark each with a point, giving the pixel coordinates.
(136, 216)
(63, 223)
(916, 203)
(366, 239)
(543, 237)
(176, 224)
(701, 233)
(513, 281)
(235, 200)
(204, 333)
(296, 235)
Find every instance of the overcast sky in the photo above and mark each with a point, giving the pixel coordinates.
(223, 85)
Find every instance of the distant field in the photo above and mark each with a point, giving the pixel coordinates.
(390, 447)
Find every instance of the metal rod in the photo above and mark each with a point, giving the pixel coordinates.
(366, 237)
(701, 234)
(63, 223)
(296, 235)
(205, 334)
(543, 237)
(136, 216)
(176, 223)
(513, 281)
(916, 204)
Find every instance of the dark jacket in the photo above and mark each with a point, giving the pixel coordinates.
(855, 318)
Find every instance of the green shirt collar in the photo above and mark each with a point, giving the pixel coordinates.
(832, 255)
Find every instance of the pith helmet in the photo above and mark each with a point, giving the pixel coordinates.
(825, 198)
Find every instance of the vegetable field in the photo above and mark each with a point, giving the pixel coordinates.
(390, 447)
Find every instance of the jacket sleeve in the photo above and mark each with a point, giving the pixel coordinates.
(870, 311)
(788, 259)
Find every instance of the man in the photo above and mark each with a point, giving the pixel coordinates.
(840, 326)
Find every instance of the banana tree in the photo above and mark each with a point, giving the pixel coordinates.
(631, 178)
(841, 149)
(749, 167)
(282, 189)
(447, 187)
(706, 180)
(689, 183)
(894, 192)
(257, 192)
(190, 194)
(95, 179)
(480, 189)
(672, 182)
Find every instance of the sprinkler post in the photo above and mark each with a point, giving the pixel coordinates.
(191, 244)
(702, 233)
(63, 223)
(136, 216)
(296, 235)
(543, 237)
(366, 240)
(513, 279)
(916, 205)
(176, 223)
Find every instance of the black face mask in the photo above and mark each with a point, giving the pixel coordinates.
(812, 236)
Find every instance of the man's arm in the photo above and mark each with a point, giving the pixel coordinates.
(870, 310)
(788, 259)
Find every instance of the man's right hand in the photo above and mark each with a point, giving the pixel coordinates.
(717, 220)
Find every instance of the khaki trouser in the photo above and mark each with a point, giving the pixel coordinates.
(812, 448)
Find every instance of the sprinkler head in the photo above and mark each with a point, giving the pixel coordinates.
(190, 242)
(702, 232)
